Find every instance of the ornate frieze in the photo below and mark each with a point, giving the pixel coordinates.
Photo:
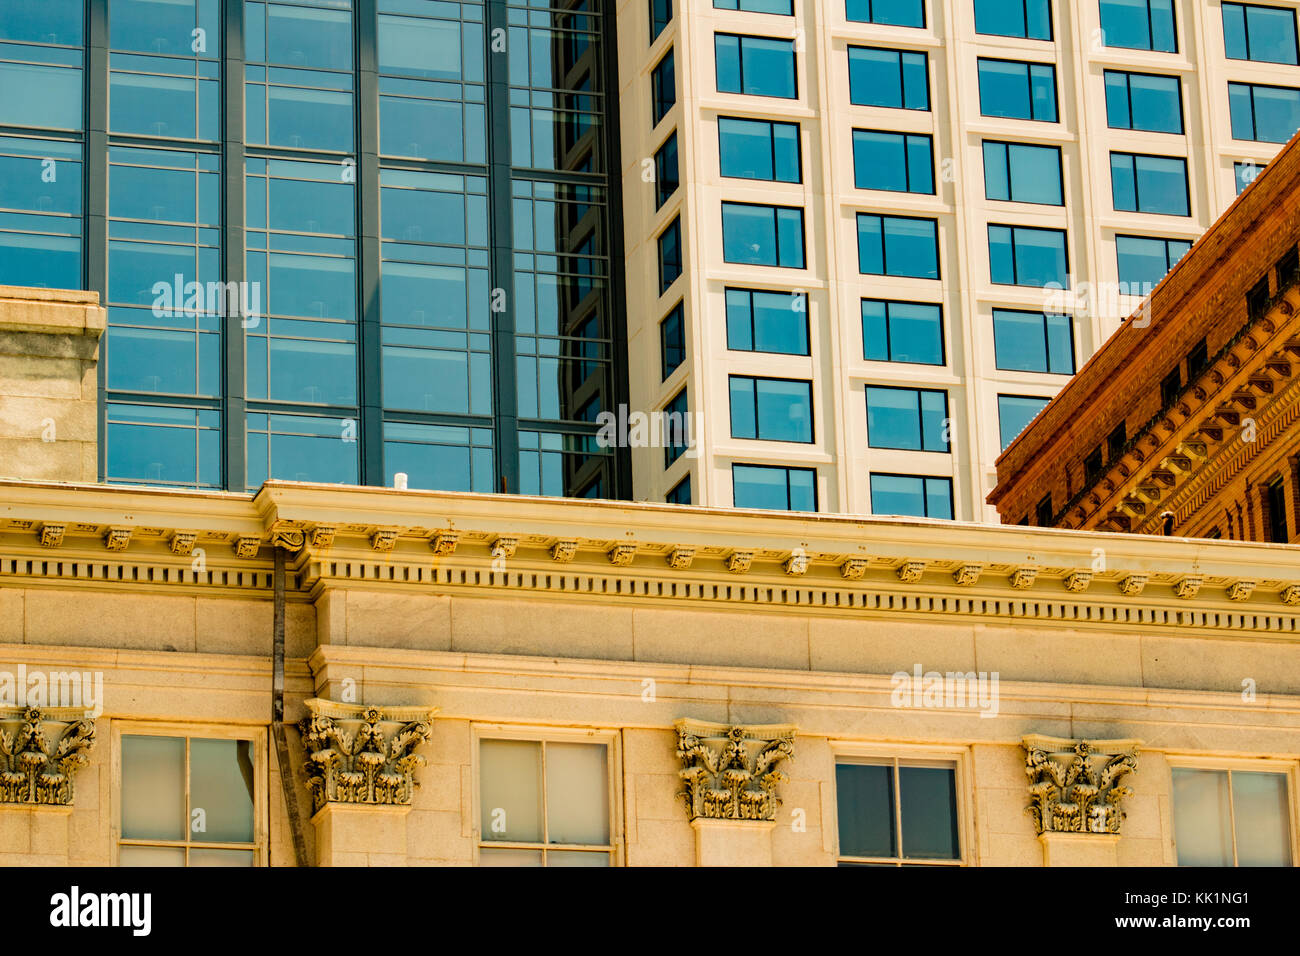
(739, 562)
(363, 754)
(730, 772)
(40, 751)
(680, 558)
(1074, 786)
(910, 572)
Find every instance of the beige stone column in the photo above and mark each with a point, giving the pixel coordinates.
(730, 779)
(1080, 849)
(361, 764)
(1075, 795)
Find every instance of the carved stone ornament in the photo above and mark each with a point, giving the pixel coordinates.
(362, 755)
(739, 562)
(505, 547)
(731, 772)
(1188, 586)
(384, 540)
(52, 534)
(444, 543)
(322, 536)
(182, 542)
(1133, 584)
(621, 555)
(1240, 590)
(40, 750)
(968, 575)
(1290, 595)
(1023, 578)
(290, 539)
(247, 545)
(680, 558)
(117, 539)
(797, 564)
(853, 569)
(564, 551)
(910, 572)
(1074, 786)
(1076, 582)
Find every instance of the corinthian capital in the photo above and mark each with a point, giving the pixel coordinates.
(40, 750)
(730, 772)
(1074, 786)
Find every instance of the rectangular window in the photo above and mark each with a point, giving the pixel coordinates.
(1016, 90)
(762, 235)
(1231, 817)
(1257, 298)
(1033, 342)
(1149, 184)
(897, 812)
(676, 428)
(1245, 174)
(911, 419)
(1139, 25)
(1116, 442)
(1043, 513)
(895, 79)
(663, 88)
(544, 803)
(681, 493)
(1019, 172)
(783, 7)
(898, 162)
(902, 332)
(666, 172)
(759, 149)
(189, 801)
(895, 13)
(1030, 19)
(756, 66)
(1093, 466)
(912, 496)
(670, 255)
(661, 14)
(1144, 101)
(1264, 34)
(771, 409)
(672, 338)
(1198, 359)
(1171, 386)
(1265, 114)
(1025, 255)
(1143, 262)
(898, 246)
(1278, 525)
(1015, 412)
(772, 488)
(760, 321)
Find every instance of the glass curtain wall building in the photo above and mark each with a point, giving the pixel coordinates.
(337, 239)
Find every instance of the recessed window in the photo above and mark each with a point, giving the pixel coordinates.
(663, 88)
(783, 7)
(902, 332)
(676, 428)
(670, 255)
(772, 488)
(672, 338)
(771, 409)
(1093, 466)
(1266, 114)
(913, 496)
(1020, 172)
(1231, 818)
(1043, 513)
(896, 79)
(756, 66)
(544, 803)
(762, 235)
(1030, 19)
(1116, 442)
(1264, 34)
(666, 171)
(1198, 359)
(895, 13)
(759, 149)
(1143, 262)
(1033, 342)
(898, 162)
(661, 14)
(1245, 174)
(760, 321)
(1278, 525)
(1025, 255)
(898, 246)
(1015, 412)
(681, 493)
(1144, 101)
(897, 812)
(911, 419)
(1139, 25)
(1149, 184)
(1171, 386)
(1015, 90)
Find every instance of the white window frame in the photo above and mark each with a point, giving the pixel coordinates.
(535, 733)
(1288, 768)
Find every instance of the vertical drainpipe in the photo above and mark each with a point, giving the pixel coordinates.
(277, 712)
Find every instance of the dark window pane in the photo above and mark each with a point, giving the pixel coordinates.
(890, 78)
(865, 798)
(928, 798)
(1015, 412)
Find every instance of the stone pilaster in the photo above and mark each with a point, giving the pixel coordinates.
(1075, 795)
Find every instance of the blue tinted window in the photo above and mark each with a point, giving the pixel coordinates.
(762, 235)
(1265, 34)
(1267, 114)
(784, 7)
(1143, 262)
(912, 496)
(1033, 342)
(670, 255)
(899, 162)
(1150, 184)
(771, 409)
(302, 448)
(1016, 90)
(661, 14)
(1024, 255)
(913, 419)
(1019, 172)
(757, 66)
(1144, 102)
(681, 493)
(902, 332)
(1015, 412)
(767, 322)
(41, 56)
(663, 88)
(672, 340)
(1245, 174)
(160, 445)
(1031, 19)
(890, 78)
(898, 246)
(40, 213)
(897, 13)
(676, 428)
(174, 91)
(666, 174)
(774, 489)
(442, 457)
(42, 21)
(759, 149)
(1139, 25)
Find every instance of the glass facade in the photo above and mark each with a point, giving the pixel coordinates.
(337, 239)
